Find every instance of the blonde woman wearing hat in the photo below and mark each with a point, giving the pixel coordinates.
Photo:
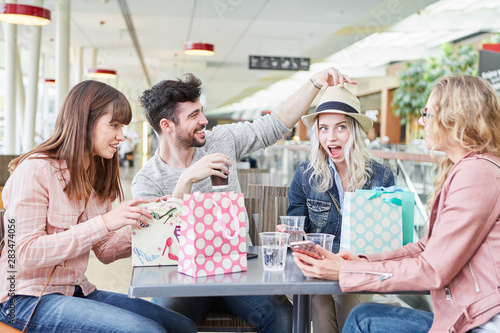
(338, 163)
(458, 260)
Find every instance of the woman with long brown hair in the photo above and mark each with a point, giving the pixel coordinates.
(58, 207)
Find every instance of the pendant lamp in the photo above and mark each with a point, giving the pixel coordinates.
(100, 73)
(24, 14)
(198, 49)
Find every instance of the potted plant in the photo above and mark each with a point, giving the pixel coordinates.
(417, 79)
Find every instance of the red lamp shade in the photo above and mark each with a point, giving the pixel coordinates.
(99, 73)
(24, 14)
(198, 49)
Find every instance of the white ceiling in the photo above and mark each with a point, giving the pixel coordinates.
(318, 29)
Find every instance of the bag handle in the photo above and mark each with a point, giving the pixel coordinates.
(222, 225)
(38, 300)
(46, 283)
(394, 200)
(388, 190)
(384, 190)
(2, 236)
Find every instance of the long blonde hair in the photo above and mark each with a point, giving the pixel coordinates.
(356, 156)
(73, 139)
(467, 108)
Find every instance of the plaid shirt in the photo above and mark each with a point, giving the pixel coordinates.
(42, 231)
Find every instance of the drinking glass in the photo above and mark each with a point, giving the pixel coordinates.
(274, 246)
(293, 225)
(219, 182)
(325, 240)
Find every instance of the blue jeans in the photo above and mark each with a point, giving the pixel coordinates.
(269, 314)
(383, 318)
(100, 311)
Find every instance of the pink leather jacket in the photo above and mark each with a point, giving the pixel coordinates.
(459, 259)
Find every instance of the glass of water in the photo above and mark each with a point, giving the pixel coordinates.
(293, 225)
(274, 246)
(325, 240)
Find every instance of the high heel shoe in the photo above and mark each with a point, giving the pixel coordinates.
(170, 254)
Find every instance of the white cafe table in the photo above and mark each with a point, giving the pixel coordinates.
(165, 281)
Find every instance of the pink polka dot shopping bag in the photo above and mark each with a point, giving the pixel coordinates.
(212, 238)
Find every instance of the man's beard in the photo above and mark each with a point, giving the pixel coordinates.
(187, 140)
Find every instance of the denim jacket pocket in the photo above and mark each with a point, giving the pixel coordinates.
(318, 212)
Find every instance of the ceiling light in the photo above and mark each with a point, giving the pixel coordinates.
(24, 14)
(99, 73)
(198, 49)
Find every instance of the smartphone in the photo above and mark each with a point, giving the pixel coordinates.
(307, 248)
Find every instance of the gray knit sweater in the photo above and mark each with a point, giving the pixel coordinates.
(157, 179)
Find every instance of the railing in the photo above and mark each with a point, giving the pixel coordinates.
(411, 165)
(421, 218)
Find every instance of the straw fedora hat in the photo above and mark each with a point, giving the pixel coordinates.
(342, 101)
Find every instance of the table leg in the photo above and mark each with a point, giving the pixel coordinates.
(301, 314)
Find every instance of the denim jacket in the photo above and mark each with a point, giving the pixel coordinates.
(318, 207)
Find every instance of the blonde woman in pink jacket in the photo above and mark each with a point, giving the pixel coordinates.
(459, 259)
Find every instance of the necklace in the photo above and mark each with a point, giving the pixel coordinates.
(344, 178)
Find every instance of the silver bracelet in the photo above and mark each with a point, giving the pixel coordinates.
(314, 84)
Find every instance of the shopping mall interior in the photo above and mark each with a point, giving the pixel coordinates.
(256, 54)
(144, 42)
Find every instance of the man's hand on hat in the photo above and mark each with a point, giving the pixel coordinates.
(330, 77)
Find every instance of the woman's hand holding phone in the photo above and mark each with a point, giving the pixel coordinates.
(327, 266)
(307, 248)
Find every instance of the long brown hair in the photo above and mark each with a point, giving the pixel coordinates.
(468, 108)
(73, 137)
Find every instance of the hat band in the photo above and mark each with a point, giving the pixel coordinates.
(336, 106)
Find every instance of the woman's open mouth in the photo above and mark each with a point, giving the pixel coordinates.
(335, 151)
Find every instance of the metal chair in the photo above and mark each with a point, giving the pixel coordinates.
(281, 204)
(266, 178)
(268, 205)
(252, 207)
(224, 321)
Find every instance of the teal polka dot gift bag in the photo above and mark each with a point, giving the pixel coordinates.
(378, 220)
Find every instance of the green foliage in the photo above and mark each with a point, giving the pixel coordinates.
(493, 39)
(418, 78)
(411, 93)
